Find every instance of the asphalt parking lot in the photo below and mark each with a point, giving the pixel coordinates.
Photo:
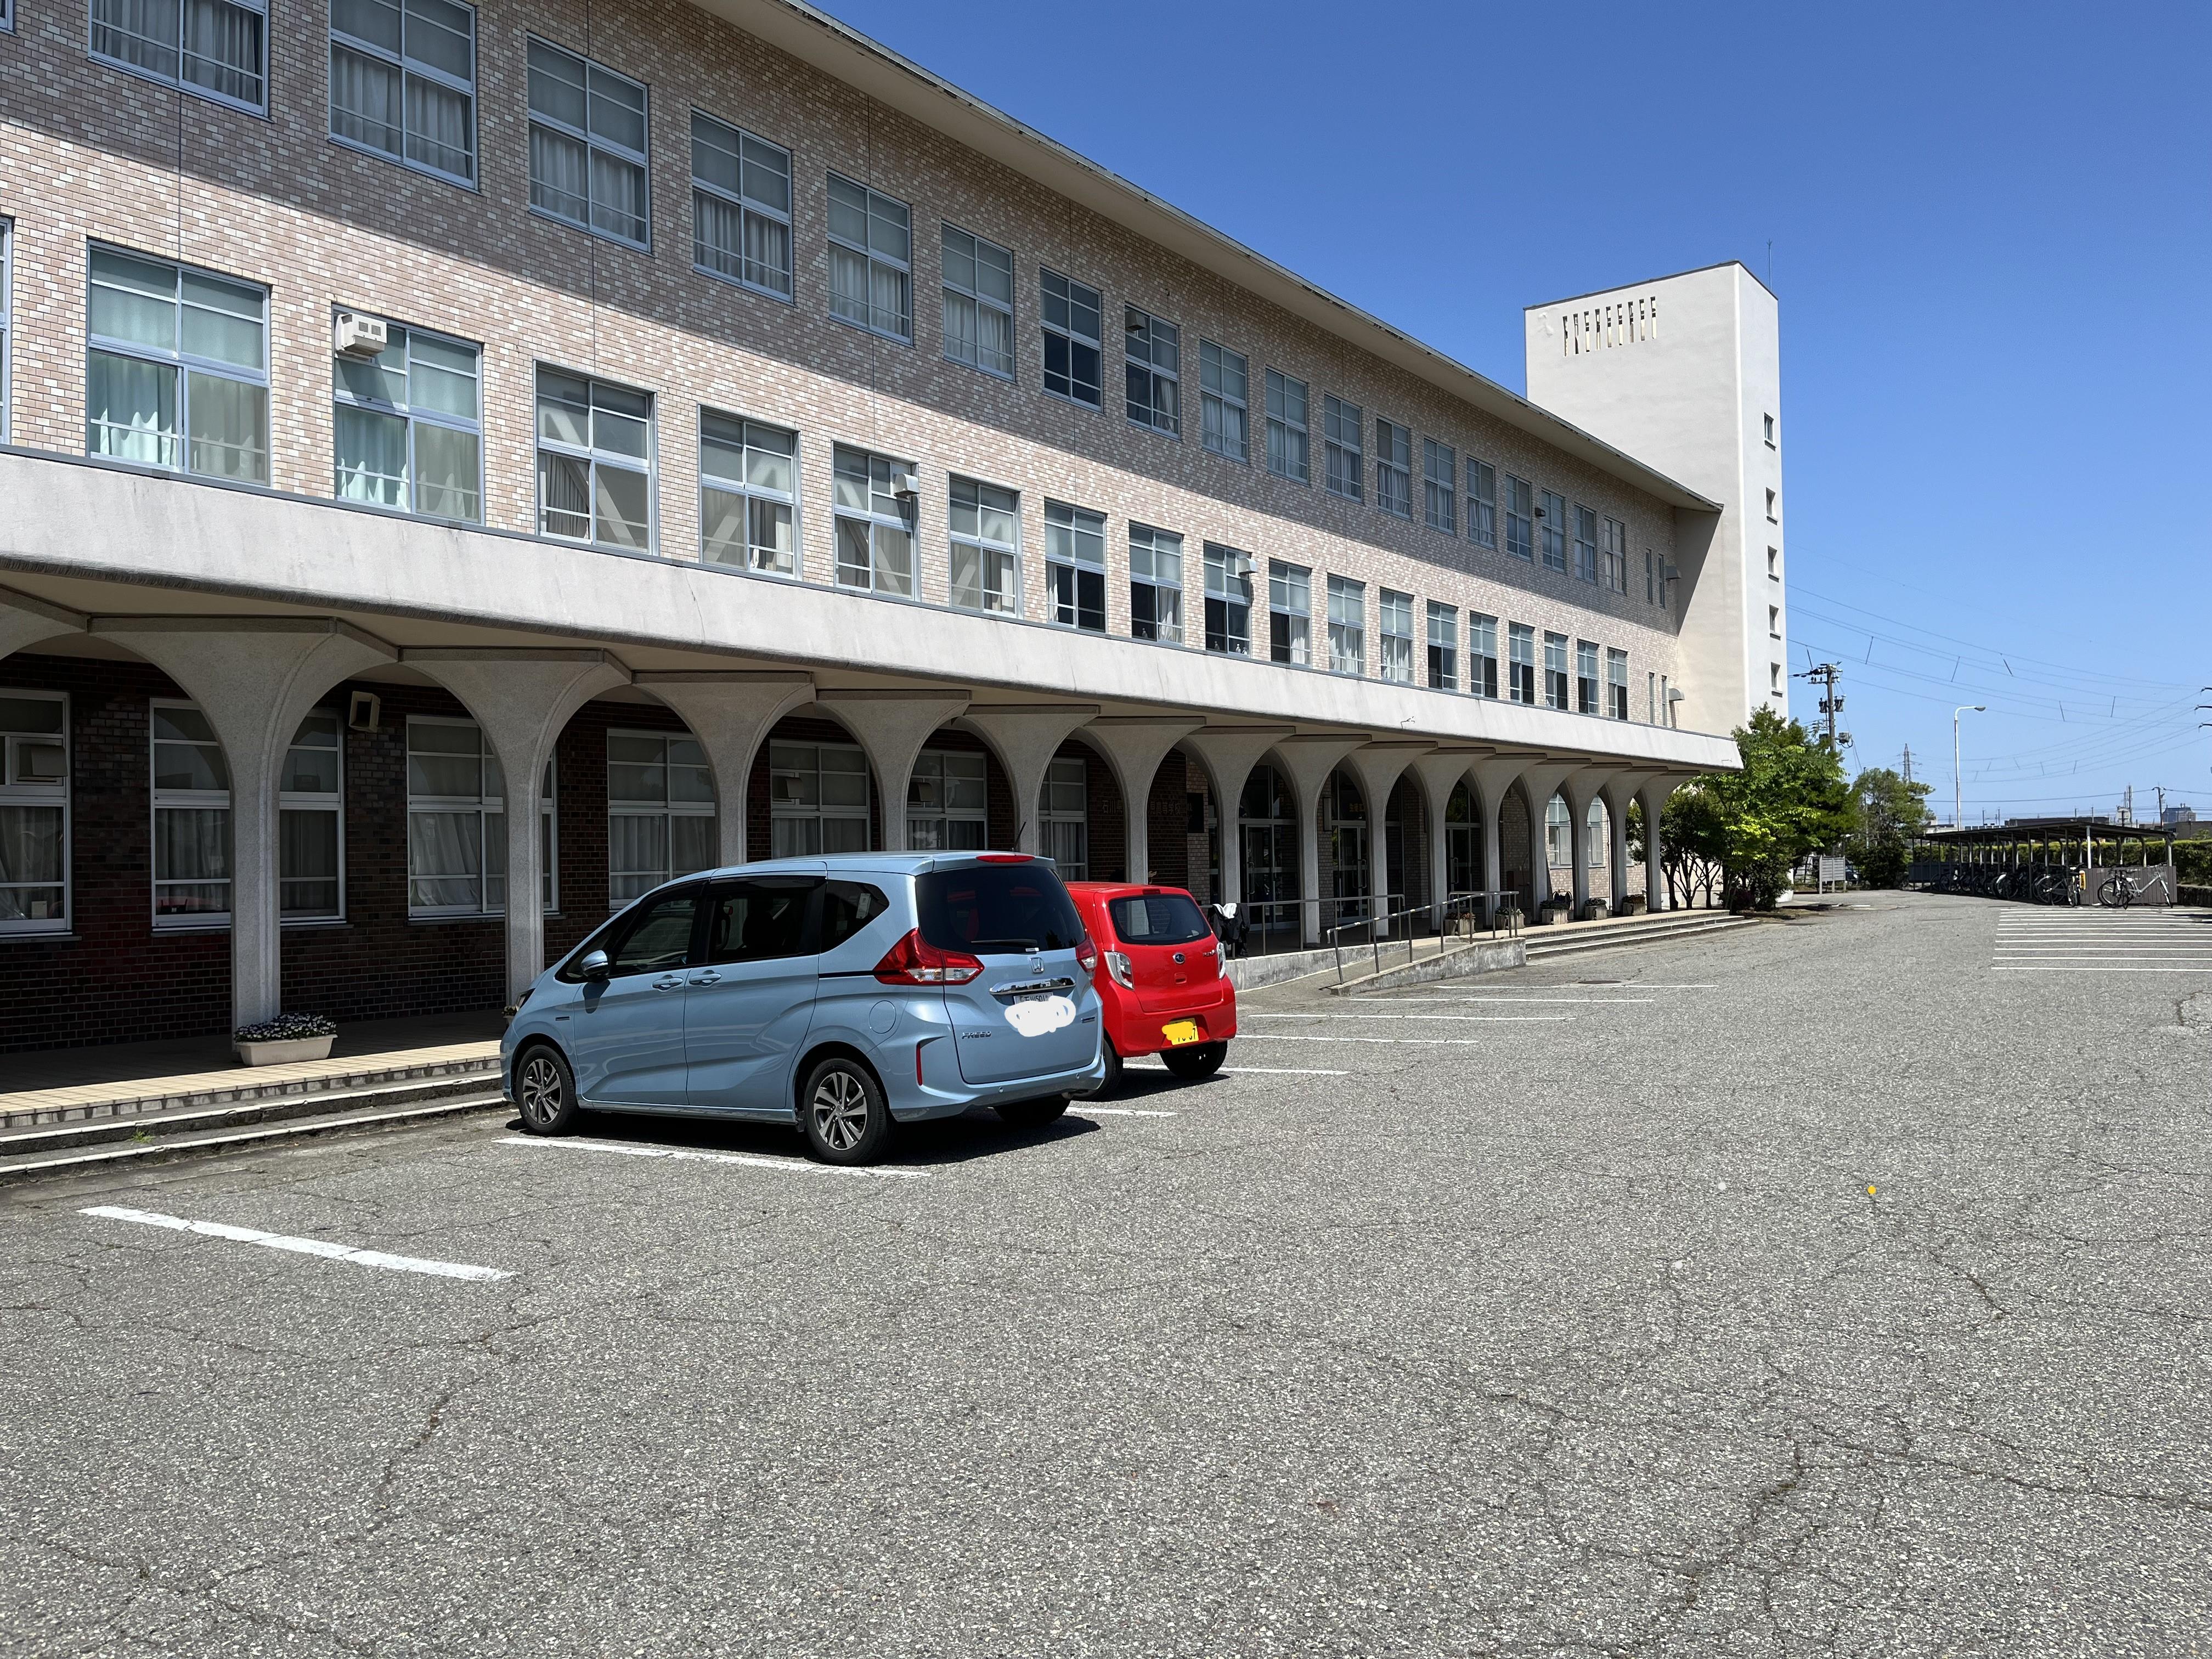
(1829, 1286)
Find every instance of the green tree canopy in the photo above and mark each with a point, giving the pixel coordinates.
(1890, 813)
(1790, 799)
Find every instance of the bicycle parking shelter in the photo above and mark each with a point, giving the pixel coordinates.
(2037, 860)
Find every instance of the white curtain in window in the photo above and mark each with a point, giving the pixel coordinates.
(718, 226)
(138, 32)
(30, 848)
(445, 858)
(768, 253)
(438, 127)
(230, 428)
(131, 410)
(559, 169)
(222, 49)
(617, 195)
(446, 468)
(372, 457)
(364, 100)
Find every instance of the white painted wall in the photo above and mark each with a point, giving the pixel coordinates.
(1682, 373)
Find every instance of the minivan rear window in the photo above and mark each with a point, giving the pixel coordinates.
(996, 908)
(1157, 919)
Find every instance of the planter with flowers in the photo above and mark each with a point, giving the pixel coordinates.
(286, 1040)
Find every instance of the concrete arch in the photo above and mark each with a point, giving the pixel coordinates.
(731, 714)
(891, 727)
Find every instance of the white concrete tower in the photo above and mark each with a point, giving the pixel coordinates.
(1685, 373)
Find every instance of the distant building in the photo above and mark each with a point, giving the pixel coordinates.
(2177, 815)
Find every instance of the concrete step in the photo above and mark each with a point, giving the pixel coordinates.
(244, 1087)
(1666, 925)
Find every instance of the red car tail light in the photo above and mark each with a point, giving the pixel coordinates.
(914, 961)
(1087, 954)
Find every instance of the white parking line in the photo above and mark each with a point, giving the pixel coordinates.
(1474, 1020)
(2086, 967)
(789, 1164)
(1601, 1002)
(1081, 1109)
(321, 1247)
(1395, 1042)
(1246, 1071)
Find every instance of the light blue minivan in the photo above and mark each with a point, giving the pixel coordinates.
(843, 994)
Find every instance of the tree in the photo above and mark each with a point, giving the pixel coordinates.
(1789, 799)
(1890, 812)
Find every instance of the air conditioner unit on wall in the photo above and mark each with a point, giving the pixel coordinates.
(356, 335)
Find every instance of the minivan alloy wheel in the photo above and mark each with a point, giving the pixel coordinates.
(840, 1106)
(545, 1092)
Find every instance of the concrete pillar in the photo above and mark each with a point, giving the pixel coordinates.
(1310, 757)
(1493, 775)
(1653, 795)
(523, 698)
(1540, 783)
(1025, 736)
(1378, 767)
(255, 678)
(1440, 772)
(892, 727)
(1617, 791)
(1229, 753)
(25, 620)
(731, 714)
(1135, 745)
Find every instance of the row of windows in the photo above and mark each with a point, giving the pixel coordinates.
(403, 85)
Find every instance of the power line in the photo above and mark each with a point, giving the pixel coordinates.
(2004, 659)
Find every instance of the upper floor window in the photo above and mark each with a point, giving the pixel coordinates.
(594, 461)
(1481, 503)
(986, 553)
(1155, 584)
(818, 796)
(1341, 453)
(1443, 647)
(1616, 684)
(34, 805)
(1070, 319)
(1287, 451)
(1585, 544)
(1481, 654)
(661, 812)
(1520, 518)
(1348, 626)
(1521, 640)
(1770, 430)
(1290, 610)
(1440, 486)
(1223, 382)
(1228, 601)
(457, 822)
(748, 493)
(871, 255)
(1152, 352)
(1586, 693)
(407, 429)
(1555, 670)
(403, 82)
(1772, 507)
(213, 48)
(177, 369)
(1075, 566)
(1613, 554)
(876, 503)
(979, 302)
(1394, 620)
(1552, 520)
(1394, 468)
(588, 145)
(740, 206)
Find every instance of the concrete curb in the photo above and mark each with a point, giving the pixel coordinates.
(1482, 955)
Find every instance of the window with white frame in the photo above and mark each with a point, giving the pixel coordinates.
(177, 369)
(661, 812)
(1341, 449)
(311, 821)
(1395, 636)
(1348, 626)
(1586, 693)
(979, 302)
(34, 812)
(1155, 584)
(588, 145)
(871, 259)
(875, 522)
(407, 428)
(1064, 816)
(1520, 641)
(947, 802)
(986, 553)
(1585, 544)
(1558, 834)
(1071, 317)
(1481, 503)
(1520, 518)
(1288, 454)
(1289, 613)
(1151, 352)
(212, 48)
(1616, 684)
(1223, 382)
(1555, 670)
(1481, 654)
(748, 493)
(457, 822)
(1228, 601)
(594, 461)
(817, 800)
(1075, 566)
(403, 82)
(740, 206)
(1595, 841)
(7, 334)
(191, 819)
(1394, 468)
(1551, 524)
(1443, 647)
(1440, 486)
(1613, 554)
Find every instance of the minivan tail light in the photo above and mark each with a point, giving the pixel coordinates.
(1087, 954)
(1117, 963)
(914, 961)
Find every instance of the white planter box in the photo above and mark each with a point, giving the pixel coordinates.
(287, 1053)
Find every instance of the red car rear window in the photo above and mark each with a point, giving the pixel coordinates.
(1157, 919)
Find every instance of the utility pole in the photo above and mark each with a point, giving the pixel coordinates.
(1825, 675)
(2161, 788)
(1958, 791)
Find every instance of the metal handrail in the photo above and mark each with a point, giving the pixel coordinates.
(1454, 904)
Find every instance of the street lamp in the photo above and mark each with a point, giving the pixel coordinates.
(1958, 811)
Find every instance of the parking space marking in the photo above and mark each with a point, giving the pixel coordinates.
(1246, 1071)
(1478, 1020)
(1601, 1002)
(683, 1155)
(1394, 1041)
(325, 1248)
(1085, 1111)
(2087, 968)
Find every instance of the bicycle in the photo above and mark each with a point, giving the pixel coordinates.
(2118, 891)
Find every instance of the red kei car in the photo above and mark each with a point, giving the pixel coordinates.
(1163, 989)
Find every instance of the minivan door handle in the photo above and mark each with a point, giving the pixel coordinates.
(710, 977)
(668, 982)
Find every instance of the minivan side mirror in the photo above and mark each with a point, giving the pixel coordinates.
(593, 964)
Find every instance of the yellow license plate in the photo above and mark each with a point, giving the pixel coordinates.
(1182, 1032)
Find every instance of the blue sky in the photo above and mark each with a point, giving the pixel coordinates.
(1992, 234)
